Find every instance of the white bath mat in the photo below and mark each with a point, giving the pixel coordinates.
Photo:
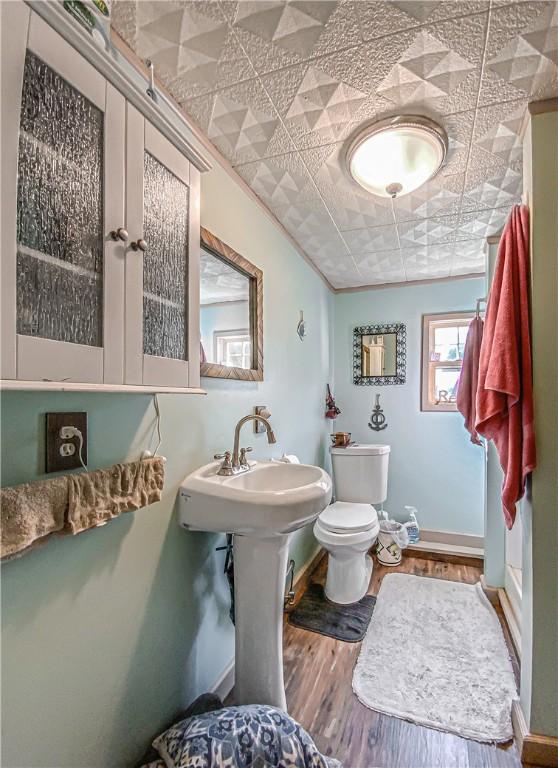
(435, 654)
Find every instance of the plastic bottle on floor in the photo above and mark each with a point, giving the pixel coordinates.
(412, 525)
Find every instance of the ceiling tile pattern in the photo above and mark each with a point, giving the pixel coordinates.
(279, 86)
(220, 282)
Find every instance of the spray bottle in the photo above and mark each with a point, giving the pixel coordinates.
(412, 525)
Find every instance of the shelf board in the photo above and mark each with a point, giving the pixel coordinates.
(70, 386)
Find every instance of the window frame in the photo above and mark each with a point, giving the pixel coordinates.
(224, 337)
(428, 367)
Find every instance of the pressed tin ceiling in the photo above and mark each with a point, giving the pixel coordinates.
(279, 87)
(220, 282)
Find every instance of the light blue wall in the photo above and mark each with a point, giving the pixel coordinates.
(433, 465)
(107, 635)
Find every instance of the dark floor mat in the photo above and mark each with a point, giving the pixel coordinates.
(343, 622)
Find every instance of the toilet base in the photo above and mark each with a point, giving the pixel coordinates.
(347, 577)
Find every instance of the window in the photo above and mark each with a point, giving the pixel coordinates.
(443, 344)
(233, 348)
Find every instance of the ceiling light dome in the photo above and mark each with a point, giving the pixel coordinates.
(395, 156)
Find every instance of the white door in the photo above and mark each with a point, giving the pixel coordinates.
(63, 267)
(162, 260)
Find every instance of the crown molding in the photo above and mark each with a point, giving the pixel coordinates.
(540, 107)
(405, 283)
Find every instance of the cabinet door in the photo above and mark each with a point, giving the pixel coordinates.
(162, 272)
(69, 194)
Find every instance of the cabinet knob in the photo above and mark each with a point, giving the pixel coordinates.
(119, 234)
(139, 245)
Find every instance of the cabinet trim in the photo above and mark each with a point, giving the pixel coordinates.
(70, 386)
(39, 358)
(194, 337)
(114, 274)
(133, 321)
(15, 23)
(118, 71)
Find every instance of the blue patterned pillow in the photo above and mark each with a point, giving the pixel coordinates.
(250, 736)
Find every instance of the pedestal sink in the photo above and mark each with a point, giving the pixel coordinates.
(262, 507)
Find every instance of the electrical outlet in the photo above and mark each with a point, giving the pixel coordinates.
(260, 410)
(62, 449)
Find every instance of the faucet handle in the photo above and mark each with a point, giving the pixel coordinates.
(242, 459)
(226, 466)
(225, 455)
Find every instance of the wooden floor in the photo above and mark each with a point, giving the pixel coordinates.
(318, 675)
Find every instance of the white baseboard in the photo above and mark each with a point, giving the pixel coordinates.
(511, 620)
(436, 548)
(513, 587)
(225, 682)
(466, 540)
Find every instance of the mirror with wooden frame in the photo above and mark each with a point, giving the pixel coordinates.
(231, 312)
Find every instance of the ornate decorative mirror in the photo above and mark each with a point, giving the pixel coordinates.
(379, 354)
(231, 312)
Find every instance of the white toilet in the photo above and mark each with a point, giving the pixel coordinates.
(349, 527)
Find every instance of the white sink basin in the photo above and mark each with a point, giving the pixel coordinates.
(261, 507)
(272, 498)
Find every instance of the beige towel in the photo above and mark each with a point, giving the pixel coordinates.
(97, 497)
(72, 503)
(30, 512)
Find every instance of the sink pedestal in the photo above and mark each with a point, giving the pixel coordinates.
(260, 567)
(261, 507)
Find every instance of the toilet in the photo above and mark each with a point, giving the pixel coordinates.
(348, 528)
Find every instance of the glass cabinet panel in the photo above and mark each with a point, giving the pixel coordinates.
(59, 210)
(165, 266)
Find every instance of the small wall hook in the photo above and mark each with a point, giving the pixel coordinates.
(377, 419)
(151, 89)
(301, 327)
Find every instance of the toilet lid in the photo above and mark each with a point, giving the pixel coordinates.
(346, 516)
(361, 449)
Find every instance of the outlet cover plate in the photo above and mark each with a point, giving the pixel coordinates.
(259, 410)
(55, 462)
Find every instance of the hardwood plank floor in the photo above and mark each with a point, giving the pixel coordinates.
(318, 677)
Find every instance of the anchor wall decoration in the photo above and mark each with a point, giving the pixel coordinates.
(377, 419)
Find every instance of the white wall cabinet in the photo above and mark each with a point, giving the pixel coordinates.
(100, 227)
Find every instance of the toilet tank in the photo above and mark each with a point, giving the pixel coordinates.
(360, 473)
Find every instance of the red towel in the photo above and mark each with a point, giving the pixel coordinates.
(505, 389)
(468, 380)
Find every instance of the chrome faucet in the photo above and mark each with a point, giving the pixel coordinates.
(238, 462)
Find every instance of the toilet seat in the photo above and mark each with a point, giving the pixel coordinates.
(346, 517)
